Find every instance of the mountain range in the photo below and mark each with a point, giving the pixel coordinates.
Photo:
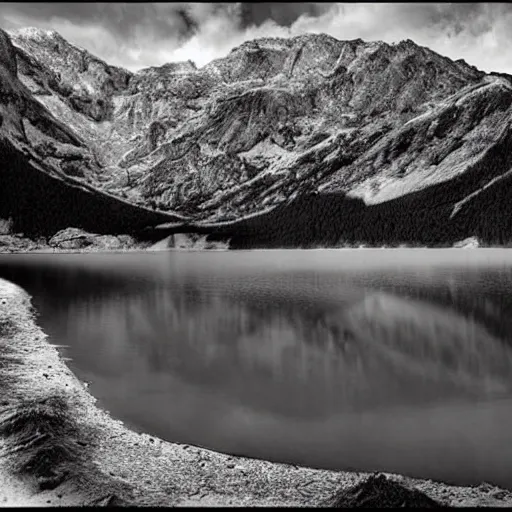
(301, 142)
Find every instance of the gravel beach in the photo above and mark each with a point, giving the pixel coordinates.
(57, 448)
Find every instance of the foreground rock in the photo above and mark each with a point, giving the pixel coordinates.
(58, 448)
(381, 492)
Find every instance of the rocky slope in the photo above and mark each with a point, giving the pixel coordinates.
(275, 121)
(47, 169)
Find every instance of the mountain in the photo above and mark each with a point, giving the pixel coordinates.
(46, 167)
(293, 142)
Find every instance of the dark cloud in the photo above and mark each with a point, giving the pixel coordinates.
(189, 23)
(123, 19)
(284, 14)
(136, 35)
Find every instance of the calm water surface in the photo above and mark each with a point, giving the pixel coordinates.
(394, 360)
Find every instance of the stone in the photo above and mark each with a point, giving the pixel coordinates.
(77, 239)
(468, 243)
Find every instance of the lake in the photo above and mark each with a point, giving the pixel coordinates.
(396, 360)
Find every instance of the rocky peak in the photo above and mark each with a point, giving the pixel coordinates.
(181, 67)
(406, 44)
(75, 67)
(171, 68)
(319, 39)
(35, 33)
(263, 43)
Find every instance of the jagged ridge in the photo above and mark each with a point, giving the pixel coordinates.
(273, 121)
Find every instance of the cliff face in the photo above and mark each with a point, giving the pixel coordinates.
(47, 169)
(274, 120)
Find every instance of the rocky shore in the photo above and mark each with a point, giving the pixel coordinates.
(77, 240)
(58, 448)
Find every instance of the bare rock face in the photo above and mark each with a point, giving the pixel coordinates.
(7, 54)
(26, 122)
(49, 61)
(272, 122)
(77, 239)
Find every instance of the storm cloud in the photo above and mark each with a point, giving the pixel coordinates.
(137, 35)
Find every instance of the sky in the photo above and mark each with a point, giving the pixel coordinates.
(138, 35)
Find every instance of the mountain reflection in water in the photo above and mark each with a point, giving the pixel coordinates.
(368, 369)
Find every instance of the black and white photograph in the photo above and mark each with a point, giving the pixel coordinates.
(255, 254)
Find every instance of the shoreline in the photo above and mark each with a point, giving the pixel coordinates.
(139, 250)
(66, 451)
(74, 240)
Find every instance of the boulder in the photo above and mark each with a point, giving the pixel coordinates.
(469, 243)
(77, 239)
(378, 491)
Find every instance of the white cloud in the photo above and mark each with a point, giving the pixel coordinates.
(479, 37)
(478, 33)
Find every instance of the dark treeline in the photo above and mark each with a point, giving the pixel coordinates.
(422, 218)
(41, 204)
